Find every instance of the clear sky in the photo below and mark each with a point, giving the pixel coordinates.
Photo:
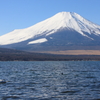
(19, 14)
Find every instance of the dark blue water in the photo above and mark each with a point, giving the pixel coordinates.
(50, 80)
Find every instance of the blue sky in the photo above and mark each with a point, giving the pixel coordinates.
(19, 14)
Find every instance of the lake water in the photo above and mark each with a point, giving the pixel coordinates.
(50, 80)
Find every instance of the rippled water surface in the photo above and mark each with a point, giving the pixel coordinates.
(50, 80)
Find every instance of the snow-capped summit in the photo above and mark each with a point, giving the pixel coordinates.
(47, 30)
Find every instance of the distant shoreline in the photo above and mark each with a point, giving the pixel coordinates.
(48, 57)
(68, 55)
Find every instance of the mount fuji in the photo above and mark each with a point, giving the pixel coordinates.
(63, 31)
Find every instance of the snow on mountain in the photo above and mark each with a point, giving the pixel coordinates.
(68, 20)
(38, 41)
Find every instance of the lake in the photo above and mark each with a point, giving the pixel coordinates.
(50, 80)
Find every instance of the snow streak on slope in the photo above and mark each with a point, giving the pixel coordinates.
(38, 41)
(51, 25)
